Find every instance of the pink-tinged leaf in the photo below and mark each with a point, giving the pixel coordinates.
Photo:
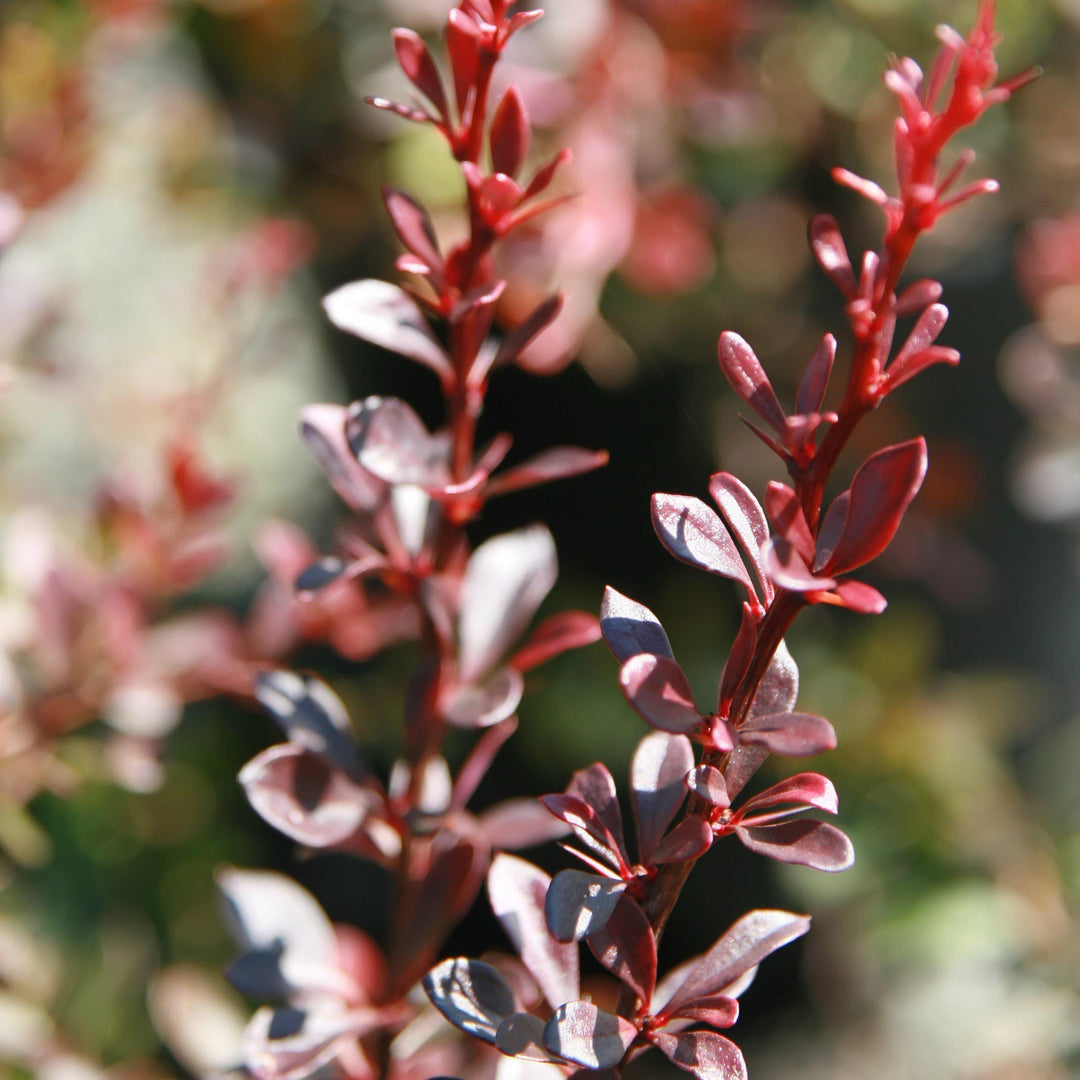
(543, 176)
(925, 332)
(522, 19)
(829, 250)
(304, 797)
(506, 579)
(522, 1036)
(520, 823)
(718, 1011)
(695, 534)
(790, 734)
(626, 946)
(807, 789)
(558, 463)
(858, 596)
(596, 787)
(707, 782)
(289, 1043)
(912, 364)
(788, 569)
(481, 705)
(588, 827)
(419, 68)
(881, 492)
(479, 761)
(704, 1053)
(745, 944)
(739, 659)
(391, 442)
(586, 1035)
(918, 295)
(289, 943)
(463, 47)
(784, 509)
(832, 525)
(472, 995)
(523, 334)
(509, 133)
(499, 195)
(413, 227)
(745, 518)
(398, 108)
(517, 890)
(630, 628)
(554, 636)
(803, 842)
(323, 429)
(578, 904)
(866, 188)
(748, 379)
(659, 766)
(690, 839)
(311, 715)
(815, 380)
(388, 317)
(659, 692)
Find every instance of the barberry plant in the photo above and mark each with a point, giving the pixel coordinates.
(413, 493)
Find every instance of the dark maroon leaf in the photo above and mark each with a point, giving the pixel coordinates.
(739, 659)
(517, 890)
(832, 525)
(657, 689)
(472, 995)
(790, 734)
(829, 250)
(587, 826)
(520, 823)
(784, 509)
(747, 377)
(630, 628)
(413, 227)
(558, 463)
(323, 429)
(521, 335)
(391, 442)
(788, 570)
(578, 904)
(707, 781)
(626, 946)
(509, 133)
(745, 518)
(695, 534)
(815, 380)
(745, 944)
(479, 761)
(522, 1036)
(719, 1011)
(704, 1053)
(584, 1034)
(596, 787)
(803, 842)
(860, 597)
(554, 636)
(689, 839)
(880, 494)
(659, 766)
(301, 795)
(419, 68)
(807, 789)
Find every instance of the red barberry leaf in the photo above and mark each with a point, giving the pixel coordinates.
(786, 513)
(625, 944)
(578, 904)
(707, 781)
(690, 839)
(554, 636)
(586, 1035)
(323, 429)
(791, 734)
(630, 628)
(787, 568)
(747, 377)
(829, 250)
(419, 68)
(517, 339)
(718, 1011)
(658, 690)
(659, 766)
(806, 789)
(472, 995)
(558, 463)
(803, 842)
(815, 380)
(746, 520)
(704, 1053)
(738, 662)
(414, 228)
(509, 134)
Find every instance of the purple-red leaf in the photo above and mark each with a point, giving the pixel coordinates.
(707, 781)
(419, 68)
(578, 904)
(858, 596)
(745, 944)
(480, 705)
(472, 995)
(558, 463)
(704, 1053)
(803, 842)
(658, 690)
(517, 890)
(689, 839)
(880, 494)
(587, 826)
(522, 1036)
(747, 377)
(630, 628)
(695, 534)
(520, 823)
(815, 380)
(784, 509)
(391, 442)
(718, 1011)
(739, 659)
(657, 771)
(787, 568)
(323, 429)
(596, 787)
(790, 734)
(586, 1035)
(517, 339)
(554, 636)
(413, 227)
(829, 250)
(626, 946)
(509, 133)
(807, 789)
(912, 364)
(745, 518)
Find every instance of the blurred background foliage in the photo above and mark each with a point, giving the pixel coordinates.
(169, 165)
